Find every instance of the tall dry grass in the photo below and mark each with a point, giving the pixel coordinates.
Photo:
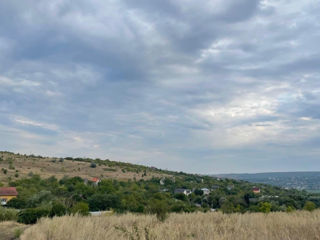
(298, 225)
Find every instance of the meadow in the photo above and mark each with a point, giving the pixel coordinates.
(298, 225)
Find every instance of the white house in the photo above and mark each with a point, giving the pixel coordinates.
(205, 191)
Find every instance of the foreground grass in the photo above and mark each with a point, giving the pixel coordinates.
(298, 225)
(11, 230)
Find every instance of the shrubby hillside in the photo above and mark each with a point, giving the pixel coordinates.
(133, 188)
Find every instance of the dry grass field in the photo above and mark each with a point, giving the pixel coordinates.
(298, 225)
(11, 230)
(22, 166)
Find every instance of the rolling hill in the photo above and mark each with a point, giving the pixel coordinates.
(16, 166)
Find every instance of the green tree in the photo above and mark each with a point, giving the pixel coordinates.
(160, 208)
(58, 209)
(265, 207)
(309, 206)
(81, 208)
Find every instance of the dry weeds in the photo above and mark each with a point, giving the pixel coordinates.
(11, 230)
(298, 225)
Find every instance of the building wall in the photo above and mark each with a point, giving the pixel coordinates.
(8, 198)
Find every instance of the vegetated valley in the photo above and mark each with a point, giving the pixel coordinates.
(50, 188)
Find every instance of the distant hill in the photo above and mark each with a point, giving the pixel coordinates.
(16, 166)
(298, 180)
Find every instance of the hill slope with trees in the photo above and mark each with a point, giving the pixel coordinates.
(149, 190)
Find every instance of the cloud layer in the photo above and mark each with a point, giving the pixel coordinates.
(206, 86)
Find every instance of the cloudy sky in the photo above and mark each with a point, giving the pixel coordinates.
(206, 86)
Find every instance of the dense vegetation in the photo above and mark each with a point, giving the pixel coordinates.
(40, 197)
(49, 197)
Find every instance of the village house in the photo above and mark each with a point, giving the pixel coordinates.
(183, 190)
(6, 194)
(205, 191)
(256, 190)
(95, 181)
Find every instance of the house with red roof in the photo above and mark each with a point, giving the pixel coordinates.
(95, 181)
(256, 190)
(6, 194)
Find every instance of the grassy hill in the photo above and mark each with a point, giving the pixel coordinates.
(16, 166)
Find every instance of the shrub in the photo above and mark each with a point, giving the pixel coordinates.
(18, 203)
(93, 165)
(31, 215)
(58, 209)
(103, 201)
(309, 206)
(81, 208)
(11, 166)
(160, 208)
(265, 207)
(7, 214)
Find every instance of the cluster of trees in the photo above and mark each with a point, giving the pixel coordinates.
(52, 197)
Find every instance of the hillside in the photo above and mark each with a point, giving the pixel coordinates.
(17, 166)
(45, 184)
(298, 180)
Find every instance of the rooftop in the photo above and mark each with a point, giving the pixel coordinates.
(8, 191)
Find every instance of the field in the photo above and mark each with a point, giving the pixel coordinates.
(299, 225)
(11, 230)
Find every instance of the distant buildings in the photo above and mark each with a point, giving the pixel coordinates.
(6, 194)
(183, 190)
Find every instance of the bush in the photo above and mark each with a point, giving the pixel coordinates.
(309, 206)
(265, 207)
(58, 209)
(93, 165)
(31, 215)
(160, 208)
(103, 201)
(81, 208)
(17, 203)
(7, 214)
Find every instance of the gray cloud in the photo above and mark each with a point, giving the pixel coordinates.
(206, 86)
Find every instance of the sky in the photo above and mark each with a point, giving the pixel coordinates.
(206, 86)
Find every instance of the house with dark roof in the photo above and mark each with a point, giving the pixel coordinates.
(183, 190)
(6, 194)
